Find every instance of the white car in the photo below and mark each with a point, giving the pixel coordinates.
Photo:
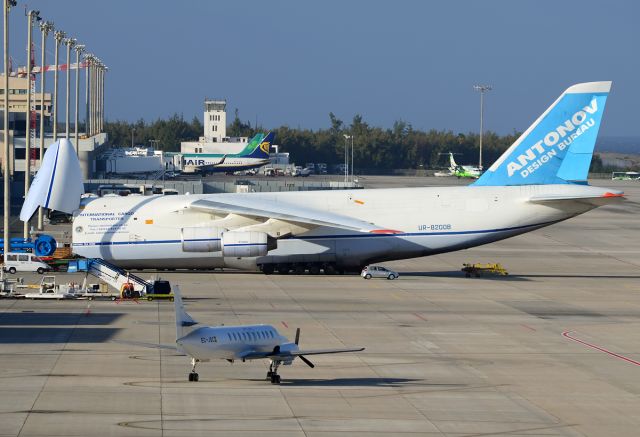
(24, 262)
(378, 272)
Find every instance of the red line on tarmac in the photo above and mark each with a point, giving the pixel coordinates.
(528, 327)
(284, 323)
(567, 334)
(419, 316)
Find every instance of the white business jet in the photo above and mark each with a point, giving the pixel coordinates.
(242, 342)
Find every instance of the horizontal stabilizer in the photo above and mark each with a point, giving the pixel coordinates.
(58, 184)
(592, 199)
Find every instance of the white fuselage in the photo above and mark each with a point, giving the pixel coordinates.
(145, 232)
(232, 342)
(212, 164)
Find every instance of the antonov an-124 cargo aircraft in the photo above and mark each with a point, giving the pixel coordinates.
(540, 180)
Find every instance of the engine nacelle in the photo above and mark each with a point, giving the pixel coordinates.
(202, 239)
(241, 244)
(288, 347)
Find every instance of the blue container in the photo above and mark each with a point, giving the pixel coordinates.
(45, 245)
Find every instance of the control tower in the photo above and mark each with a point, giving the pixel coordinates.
(215, 120)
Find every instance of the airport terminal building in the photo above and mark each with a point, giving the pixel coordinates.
(89, 146)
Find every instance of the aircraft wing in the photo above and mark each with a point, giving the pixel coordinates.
(207, 167)
(318, 352)
(304, 216)
(150, 345)
(283, 355)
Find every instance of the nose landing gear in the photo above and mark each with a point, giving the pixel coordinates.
(193, 376)
(272, 374)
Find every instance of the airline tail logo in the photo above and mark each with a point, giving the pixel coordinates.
(557, 148)
(262, 149)
(541, 152)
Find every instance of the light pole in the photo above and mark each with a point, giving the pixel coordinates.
(104, 72)
(27, 137)
(346, 157)
(90, 59)
(482, 89)
(45, 28)
(5, 159)
(69, 42)
(79, 49)
(58, 36)
(92, 99)
(99, 99)
(352, 159)
(87, 79)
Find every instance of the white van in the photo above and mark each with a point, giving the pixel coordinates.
(23, 262)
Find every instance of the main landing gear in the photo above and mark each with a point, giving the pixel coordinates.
(193, 376)
(272, 374)
(300, 268)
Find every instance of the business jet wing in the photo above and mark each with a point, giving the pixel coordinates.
(288, 354)
(321, 351)
(150, 345)
(303, 216)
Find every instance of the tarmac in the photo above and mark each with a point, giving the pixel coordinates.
(553, 349)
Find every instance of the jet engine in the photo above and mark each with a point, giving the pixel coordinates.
(243, 244)
(201, 239)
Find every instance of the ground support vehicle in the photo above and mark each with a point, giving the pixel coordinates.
(478, 269)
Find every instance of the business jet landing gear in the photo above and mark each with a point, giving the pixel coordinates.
(193, 376)
(272, 374)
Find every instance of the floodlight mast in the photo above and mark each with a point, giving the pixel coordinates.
(70, 43)
(87, 92)
(45, 28)
(79, 49)
(58, 36)
(346, 157)
(31, 16)
(481, 89)
(5, 160)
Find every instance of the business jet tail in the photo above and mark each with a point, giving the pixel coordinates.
(557, 148)
(183, 319)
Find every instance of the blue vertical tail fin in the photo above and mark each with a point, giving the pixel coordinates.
(557, 148)
(262, 149)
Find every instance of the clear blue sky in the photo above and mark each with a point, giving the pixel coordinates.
(292, 62)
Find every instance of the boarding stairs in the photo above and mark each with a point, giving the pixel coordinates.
(158, 175)
(116, 276)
